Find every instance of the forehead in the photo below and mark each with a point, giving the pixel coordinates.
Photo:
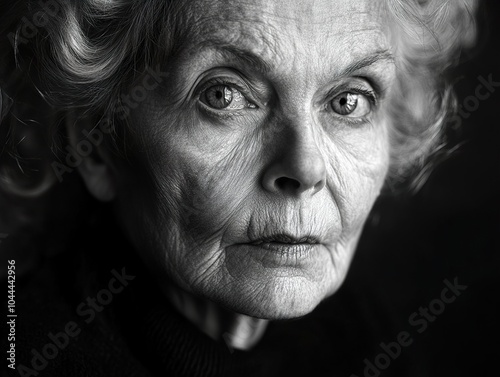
(275, 30)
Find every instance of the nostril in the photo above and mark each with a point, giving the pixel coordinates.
(318, 186)
(285, 183)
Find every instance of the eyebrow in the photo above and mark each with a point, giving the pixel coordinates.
(367, 61)
(244, 57)
(247, 58)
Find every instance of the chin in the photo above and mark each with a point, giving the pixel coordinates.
(270, 285)
(282, 298)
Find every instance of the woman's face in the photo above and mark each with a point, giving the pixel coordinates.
(264, 150)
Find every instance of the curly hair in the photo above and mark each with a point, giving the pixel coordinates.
(62, 55)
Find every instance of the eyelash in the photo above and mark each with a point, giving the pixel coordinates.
(370, 95)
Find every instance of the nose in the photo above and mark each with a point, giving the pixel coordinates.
(299, 169)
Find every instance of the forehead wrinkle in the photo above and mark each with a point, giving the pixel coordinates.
(268, 31)
(256, 36)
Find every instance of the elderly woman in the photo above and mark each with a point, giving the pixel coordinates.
(239, 146)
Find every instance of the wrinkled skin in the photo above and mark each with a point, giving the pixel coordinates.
(204, 182)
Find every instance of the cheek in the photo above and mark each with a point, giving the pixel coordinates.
(202, 179)
(358, 167)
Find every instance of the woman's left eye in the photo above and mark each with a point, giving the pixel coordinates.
(225, 97)
(353, 105)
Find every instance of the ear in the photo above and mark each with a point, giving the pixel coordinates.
(86, 140)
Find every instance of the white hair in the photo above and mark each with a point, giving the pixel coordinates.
(89, 50)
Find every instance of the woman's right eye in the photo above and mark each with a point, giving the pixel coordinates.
(224, 97)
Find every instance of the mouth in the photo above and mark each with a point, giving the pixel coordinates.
(285, 239)
(286, 246)
(283, 250)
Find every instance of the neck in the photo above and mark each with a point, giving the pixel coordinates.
(238, 331)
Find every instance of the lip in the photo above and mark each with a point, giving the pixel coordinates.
(277, 255)
(284, 239)
(283, 248)
(296, 251)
